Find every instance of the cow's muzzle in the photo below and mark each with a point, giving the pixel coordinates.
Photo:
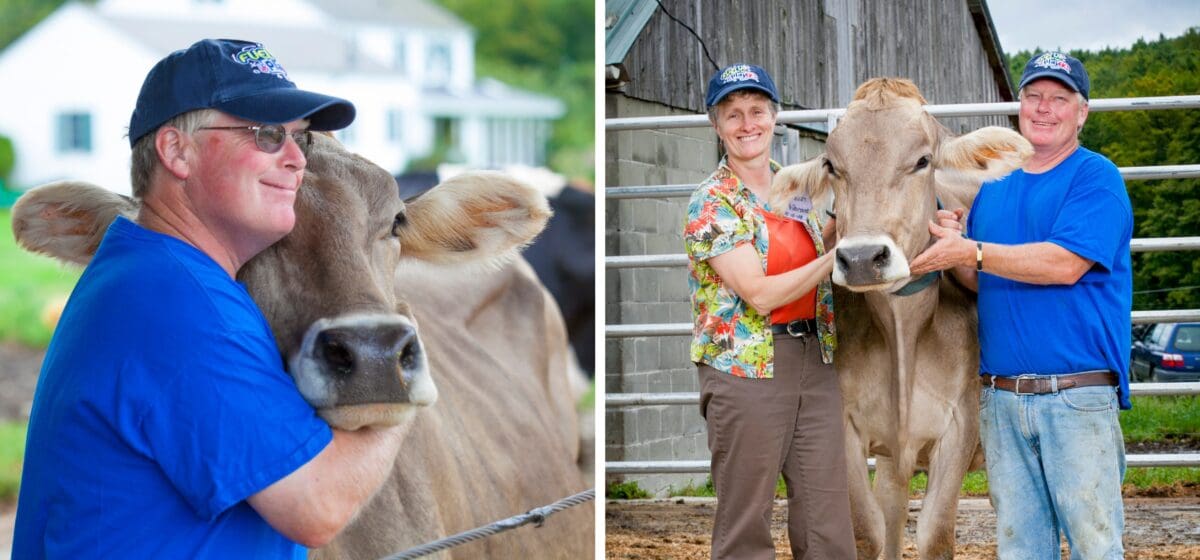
(868, 263)
(373, 366)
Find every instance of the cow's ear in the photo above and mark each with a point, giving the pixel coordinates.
(67, 220)
(473, 217)
(809, 178)
(988, 153)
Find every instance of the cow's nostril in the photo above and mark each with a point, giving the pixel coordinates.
(842, 261)
(410, 354)
(332, 351)
(880, 258)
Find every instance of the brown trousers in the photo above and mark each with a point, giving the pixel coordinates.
(758, 428)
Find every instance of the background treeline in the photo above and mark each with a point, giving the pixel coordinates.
(546, 46)
(1161, 208)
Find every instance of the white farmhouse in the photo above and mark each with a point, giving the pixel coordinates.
(69, 84)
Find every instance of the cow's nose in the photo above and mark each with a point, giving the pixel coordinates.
(379, 348)
(863, 264)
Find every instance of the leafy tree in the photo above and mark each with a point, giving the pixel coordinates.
(546, 46)
(17, 16)
(1161, 208)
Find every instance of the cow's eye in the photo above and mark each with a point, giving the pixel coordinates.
(922, 163)
(831, 169)
(398, 224)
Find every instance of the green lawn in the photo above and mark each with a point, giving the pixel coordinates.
(27, 283)
(12, 451)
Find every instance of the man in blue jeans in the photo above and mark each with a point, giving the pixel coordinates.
(1047, 248)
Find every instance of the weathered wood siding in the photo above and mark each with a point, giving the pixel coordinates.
(818, 51)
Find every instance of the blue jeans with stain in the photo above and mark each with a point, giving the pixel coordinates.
(1054, 462)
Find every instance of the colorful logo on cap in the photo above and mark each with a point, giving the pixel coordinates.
(260, 60)
(1053, 60)
(738, 73)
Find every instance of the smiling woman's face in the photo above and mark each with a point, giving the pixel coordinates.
(746, 123)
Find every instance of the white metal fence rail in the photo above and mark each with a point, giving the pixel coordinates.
(830, 117)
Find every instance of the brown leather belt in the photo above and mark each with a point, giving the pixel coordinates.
(797, 328)
(1043, 384)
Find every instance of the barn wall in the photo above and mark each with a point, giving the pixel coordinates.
(817, 52)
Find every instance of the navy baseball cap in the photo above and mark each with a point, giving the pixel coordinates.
(739, 76)
(240, 78)
(1060, 66)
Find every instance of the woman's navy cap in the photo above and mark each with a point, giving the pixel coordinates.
(739, 76)
(1060, 66)
(240, 78)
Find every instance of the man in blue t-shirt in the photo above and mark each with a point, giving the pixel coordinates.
(1047, 249)
(164, 424)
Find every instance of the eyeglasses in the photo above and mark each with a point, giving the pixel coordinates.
(270, 137)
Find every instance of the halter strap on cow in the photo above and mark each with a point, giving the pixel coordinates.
(925, 280)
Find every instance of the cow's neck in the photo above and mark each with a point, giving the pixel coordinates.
(901, 320)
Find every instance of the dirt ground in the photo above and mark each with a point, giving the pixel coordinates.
(18, 377)
(679, 529)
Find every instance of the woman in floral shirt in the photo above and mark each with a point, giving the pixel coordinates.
(763, 340)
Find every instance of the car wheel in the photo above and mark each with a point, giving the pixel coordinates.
(1153, 376)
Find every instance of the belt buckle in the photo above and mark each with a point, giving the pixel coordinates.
(795, 334)
(1017, 383)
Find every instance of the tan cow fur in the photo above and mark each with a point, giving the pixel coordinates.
(908, 366)
(502, 437)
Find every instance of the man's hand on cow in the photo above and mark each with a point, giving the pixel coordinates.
(952, 219)
(950, 250)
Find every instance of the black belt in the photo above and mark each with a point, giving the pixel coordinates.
(1043, 384)
(797, 328)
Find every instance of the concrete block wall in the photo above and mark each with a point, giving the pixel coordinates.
(651, 226)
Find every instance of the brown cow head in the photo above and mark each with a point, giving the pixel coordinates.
(886, 163)
(328, 288)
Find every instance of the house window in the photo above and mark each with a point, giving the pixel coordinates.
(74, 132)
(445, 140)
(437, 64)
(395, 125)
(399, 56)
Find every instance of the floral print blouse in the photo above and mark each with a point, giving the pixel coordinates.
(729, 334)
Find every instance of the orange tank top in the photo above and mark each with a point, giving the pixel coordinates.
(788, 247)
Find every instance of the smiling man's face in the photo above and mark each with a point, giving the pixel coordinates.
(1051, 114)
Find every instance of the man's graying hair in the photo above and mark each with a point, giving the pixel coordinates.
(712, 111)
(145, 157)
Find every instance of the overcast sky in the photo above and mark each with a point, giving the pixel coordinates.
(1088, 24)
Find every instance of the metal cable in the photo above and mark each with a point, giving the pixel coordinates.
(535, 515)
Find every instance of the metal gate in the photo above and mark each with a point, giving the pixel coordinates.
(830, 117)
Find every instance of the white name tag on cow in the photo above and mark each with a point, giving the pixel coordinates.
(798, 208)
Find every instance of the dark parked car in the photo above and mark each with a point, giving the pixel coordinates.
(1166, 352)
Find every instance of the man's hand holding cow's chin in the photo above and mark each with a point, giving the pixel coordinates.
(950, 250)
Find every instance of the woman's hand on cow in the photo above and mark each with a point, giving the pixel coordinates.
(829, 233)
(950, 250)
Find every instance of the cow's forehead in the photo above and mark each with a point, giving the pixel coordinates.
(899, 128)
(336, 173)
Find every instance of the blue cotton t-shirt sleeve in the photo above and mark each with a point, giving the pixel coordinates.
(1095, 216)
